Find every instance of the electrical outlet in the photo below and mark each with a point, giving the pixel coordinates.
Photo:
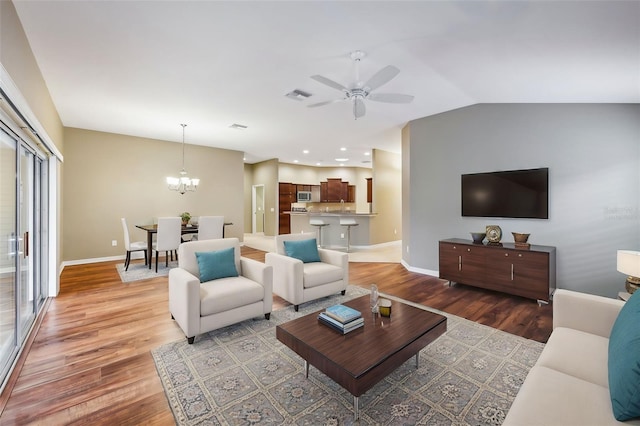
(114, 243)
(341, 235)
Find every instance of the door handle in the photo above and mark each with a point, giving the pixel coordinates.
(26, 244)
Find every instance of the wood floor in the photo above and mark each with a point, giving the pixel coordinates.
(90, 361)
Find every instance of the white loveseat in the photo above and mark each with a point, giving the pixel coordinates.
(298, 282)
(201, 307)
(569, 383)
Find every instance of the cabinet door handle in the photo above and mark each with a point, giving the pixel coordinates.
(512, 272)
(459, 263)
(468, 249)
(506, 255)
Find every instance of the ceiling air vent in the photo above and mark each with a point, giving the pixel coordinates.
(238, 126)
(298, 95)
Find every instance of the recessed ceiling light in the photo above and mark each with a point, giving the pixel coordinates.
(340, 160)
(317, 164)
(367, 153)
(343, 149)
(306, 151)
(295, 161)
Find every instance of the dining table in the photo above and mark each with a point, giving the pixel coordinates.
(153, 229)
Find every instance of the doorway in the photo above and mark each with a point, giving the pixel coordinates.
(257, 209)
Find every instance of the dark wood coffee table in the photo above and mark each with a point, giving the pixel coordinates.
(360, 359)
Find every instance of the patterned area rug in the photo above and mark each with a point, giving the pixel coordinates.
(140, 271)
(243, 375)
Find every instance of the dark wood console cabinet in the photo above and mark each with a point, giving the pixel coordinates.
(502, 267)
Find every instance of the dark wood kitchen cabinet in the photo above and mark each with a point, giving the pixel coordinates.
(527, 272)
(286, 196)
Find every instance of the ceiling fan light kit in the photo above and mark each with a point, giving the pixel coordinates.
(361, 91)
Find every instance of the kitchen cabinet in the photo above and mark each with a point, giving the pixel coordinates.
(335, 190)
(286, 196)
(324, 192)
(503, 267)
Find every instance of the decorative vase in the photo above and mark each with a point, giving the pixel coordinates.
(520, 239)
(373, 301)
(478, 237)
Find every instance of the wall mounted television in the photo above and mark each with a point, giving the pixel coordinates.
(522, 194)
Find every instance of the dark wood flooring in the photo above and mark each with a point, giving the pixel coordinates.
(90, 361)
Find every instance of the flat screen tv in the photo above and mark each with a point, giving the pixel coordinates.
(522, 194)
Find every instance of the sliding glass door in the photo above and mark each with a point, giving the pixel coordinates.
(23, 245)
(8, 235)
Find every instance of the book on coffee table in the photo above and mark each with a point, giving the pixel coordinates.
(342, 313)
(338, 326)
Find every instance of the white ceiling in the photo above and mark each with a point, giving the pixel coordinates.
(143, 67)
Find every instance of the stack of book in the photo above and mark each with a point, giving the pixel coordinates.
(341, 318)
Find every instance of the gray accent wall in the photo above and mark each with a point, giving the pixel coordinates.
(593, 155)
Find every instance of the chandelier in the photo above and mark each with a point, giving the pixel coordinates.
(183, 183)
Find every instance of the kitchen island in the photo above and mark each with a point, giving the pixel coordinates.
(335, 235)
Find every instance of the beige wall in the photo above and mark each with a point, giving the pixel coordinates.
(17, 58)
(387, 197)
(109, 176)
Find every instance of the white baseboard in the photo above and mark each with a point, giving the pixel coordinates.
(420, 270)
(134, 255)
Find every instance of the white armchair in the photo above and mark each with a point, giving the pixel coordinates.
(298, 282)
(201, 307)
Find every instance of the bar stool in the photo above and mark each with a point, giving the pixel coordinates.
(320, 224)
(348, 222)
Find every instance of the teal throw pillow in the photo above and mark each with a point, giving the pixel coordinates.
(216, 264)
(624, 361)
(305, 250)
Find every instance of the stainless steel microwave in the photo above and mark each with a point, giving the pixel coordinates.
(304, 196)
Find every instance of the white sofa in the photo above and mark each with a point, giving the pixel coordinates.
(569, 383)
(298, 282)
(201, 307)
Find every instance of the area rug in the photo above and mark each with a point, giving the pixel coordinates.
(140, 271)
(243, 375)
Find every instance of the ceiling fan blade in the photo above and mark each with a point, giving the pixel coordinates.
(358, 108)
(382, 77)
(324, 103)
(394, 98)
(330, 83)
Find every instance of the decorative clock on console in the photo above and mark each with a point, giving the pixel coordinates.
(494, 233)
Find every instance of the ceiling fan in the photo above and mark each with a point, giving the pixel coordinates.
(359, 90)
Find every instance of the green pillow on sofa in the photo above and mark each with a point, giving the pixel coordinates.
(305, 250)
(216, 264)
(624, 361)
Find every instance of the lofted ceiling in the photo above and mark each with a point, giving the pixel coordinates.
(143, 67)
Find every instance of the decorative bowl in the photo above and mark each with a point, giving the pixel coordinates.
(520, 238)
(478, 237)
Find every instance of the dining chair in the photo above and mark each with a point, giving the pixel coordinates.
(131, 246)
(168, 238)
(210, 227)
